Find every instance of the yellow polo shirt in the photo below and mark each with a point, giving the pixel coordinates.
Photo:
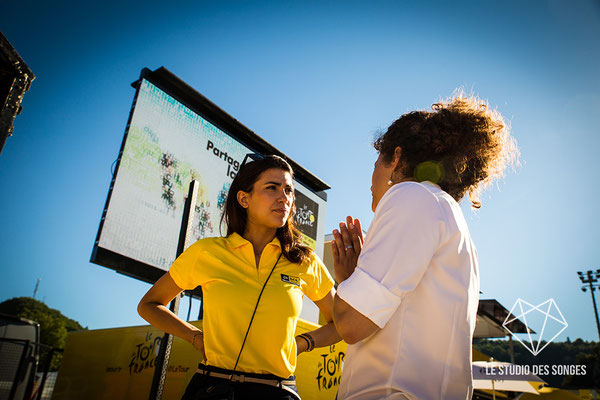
(231, 282)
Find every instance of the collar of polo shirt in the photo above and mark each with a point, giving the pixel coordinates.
(235, 240)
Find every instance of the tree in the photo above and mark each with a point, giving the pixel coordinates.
(54, 326)
(591, 378)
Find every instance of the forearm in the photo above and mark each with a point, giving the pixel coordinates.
(323, 336)
(326, 335)
(350, 323)
(162, 318)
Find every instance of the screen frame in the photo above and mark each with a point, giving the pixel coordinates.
(189, 97)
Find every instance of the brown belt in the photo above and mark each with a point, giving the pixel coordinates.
(243, 378)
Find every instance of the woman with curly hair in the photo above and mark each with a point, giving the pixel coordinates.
(408, 294)
(253, 281)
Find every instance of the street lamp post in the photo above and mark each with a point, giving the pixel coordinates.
(590, 280)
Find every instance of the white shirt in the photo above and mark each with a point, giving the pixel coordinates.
(417, 278)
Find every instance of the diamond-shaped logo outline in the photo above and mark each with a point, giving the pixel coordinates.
(507, 321)
(547, 315)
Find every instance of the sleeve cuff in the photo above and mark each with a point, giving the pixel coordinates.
(369, 297)
(177, 279)
(319, 295)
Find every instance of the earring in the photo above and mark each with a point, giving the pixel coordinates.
(390, 183)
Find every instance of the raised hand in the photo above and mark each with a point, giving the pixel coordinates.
(346, 247)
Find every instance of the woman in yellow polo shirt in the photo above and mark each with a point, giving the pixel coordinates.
(252, 281)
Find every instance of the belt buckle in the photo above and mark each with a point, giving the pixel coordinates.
(202, 368)
(236, 378)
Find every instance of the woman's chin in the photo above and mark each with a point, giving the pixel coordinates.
(277, 223)
(374, 203)
(280, 219)
(282, 223)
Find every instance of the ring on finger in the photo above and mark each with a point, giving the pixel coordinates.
(348, 247)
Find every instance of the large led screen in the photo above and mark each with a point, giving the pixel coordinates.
(167, 145)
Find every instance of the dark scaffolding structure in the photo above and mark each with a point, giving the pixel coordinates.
(15, 80)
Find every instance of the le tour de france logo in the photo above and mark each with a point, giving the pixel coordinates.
(543, 323)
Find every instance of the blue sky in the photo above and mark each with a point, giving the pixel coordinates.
(317, 80)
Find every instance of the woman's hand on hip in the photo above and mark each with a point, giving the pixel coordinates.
(346, 247)
(198, 343)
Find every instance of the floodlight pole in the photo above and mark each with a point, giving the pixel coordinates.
(592, 289)
(591, 279)
(164, 353)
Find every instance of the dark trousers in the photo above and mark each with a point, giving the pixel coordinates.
(208, 387)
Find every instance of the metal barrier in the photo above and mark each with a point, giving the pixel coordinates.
(21, 376)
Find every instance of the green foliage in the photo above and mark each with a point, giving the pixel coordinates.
(555, 353)
(54, 326)
(592, 365)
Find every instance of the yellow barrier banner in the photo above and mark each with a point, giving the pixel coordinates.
(318, 372)
(118, 364)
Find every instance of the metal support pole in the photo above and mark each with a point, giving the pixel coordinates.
(164, 353)
(592, 288)
(511, 348)
(590, 280)
(45, 376)
(37, 286)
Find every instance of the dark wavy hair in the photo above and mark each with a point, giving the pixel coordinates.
(235, 217)
(461, 145)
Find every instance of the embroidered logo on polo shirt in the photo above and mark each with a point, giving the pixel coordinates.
(294, 280)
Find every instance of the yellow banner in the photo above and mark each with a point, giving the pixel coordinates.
(119, 364)
(309, 242)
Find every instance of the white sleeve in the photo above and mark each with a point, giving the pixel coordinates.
(402, 239)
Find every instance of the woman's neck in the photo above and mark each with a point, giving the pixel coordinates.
(259, 237)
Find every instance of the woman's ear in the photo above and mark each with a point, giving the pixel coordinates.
(242, 198)
(397, 156)
(397, 167)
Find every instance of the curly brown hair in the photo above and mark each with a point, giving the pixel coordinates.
(462, 145)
